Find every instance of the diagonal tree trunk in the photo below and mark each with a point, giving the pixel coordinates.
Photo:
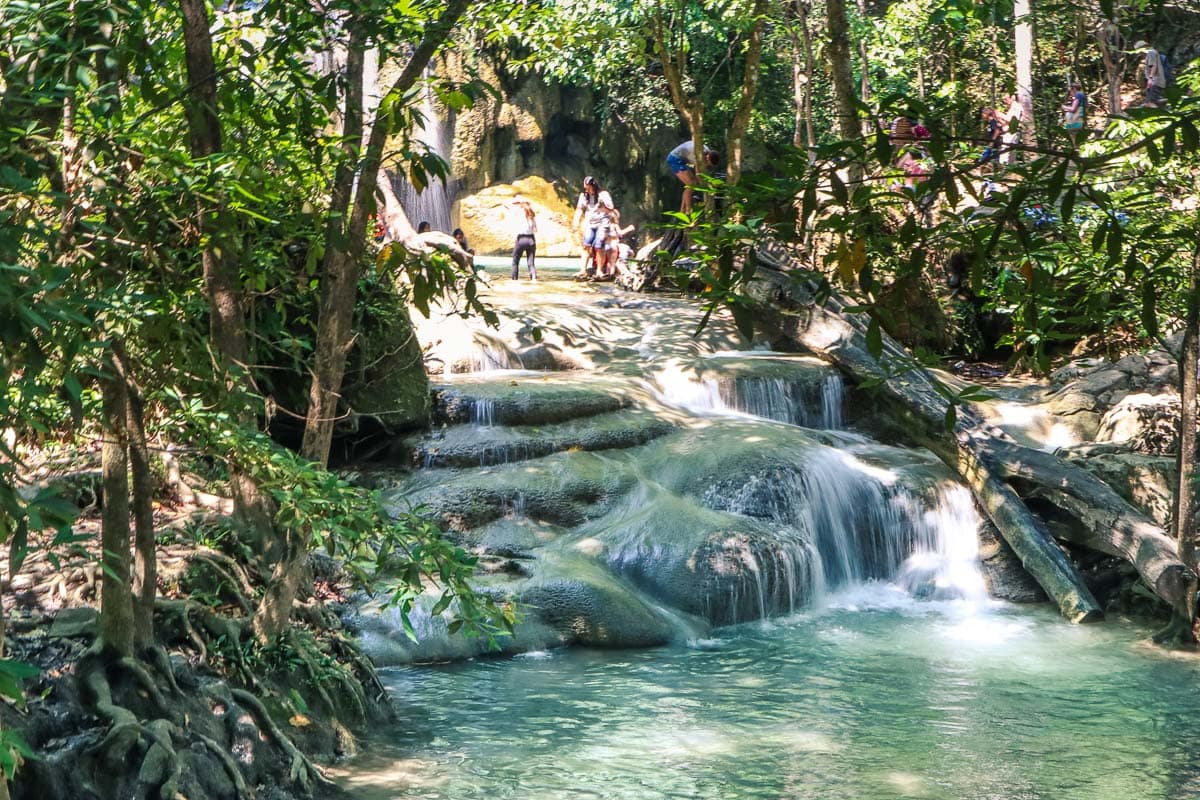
(345, 246)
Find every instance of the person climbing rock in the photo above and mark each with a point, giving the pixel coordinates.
(680, 161)
(526, 244)
(1013, 116)
(993, 129)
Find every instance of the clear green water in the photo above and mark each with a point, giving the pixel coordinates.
(879, 698)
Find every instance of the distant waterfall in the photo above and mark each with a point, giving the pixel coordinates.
(433, 204)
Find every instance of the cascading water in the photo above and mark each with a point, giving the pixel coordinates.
(843, 523)
(483, 412)
(795, 402)
(431, 204)
(833, 397)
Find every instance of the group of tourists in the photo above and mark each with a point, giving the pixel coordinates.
(1001, 128)
(599, 224)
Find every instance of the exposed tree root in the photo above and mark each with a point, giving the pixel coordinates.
(231, 767)
(160, 769)
(228, 631)
(302, 771)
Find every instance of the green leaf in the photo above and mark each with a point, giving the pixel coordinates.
(951, 418)
(874, 339)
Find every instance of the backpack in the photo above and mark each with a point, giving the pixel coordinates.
(1167, 73)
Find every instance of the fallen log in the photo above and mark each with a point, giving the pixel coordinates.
(987, 459)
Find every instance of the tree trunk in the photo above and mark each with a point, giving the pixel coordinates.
(145, 564)
(340, 268)
(838, 52)
(116, 598)
(991, 464)
(1023, 32)
(1108, 37)
(802, 78)
(226, 308)
(674, 64)
(741, 116)
(865, 72)
(1184, 522)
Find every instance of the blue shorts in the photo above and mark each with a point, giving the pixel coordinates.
(677, 164)
(596, 237)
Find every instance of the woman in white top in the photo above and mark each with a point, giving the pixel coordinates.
(595, 210)
(526, 243)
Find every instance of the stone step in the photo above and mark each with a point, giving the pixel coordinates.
(528, 398)
(479, 446)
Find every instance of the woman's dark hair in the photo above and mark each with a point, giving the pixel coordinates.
(423, 226)
(591, 185)
(458, 232)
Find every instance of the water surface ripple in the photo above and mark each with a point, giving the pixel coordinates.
(936, 700)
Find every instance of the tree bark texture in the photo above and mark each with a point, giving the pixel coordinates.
(741, 116)
(992, 464)
(145, 563)
(1184, 517)
(1023, 33)
(838, 52)
(116, 596)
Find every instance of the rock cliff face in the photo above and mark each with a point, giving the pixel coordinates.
(540, 139)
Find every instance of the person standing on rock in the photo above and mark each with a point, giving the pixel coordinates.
(595, 210)
(680, 161)
(526, 243)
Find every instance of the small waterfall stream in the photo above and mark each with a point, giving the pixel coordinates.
(809, 404)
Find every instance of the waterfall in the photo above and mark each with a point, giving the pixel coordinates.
(833, 398)
(842, 523)
(795, 402)
(483, 412)
(433, 204)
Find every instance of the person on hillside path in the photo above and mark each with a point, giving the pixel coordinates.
(993, 129)
(681, 160)
(526, 243)
(1013, 117)
(595, 210)
(1152, 68)
(1074, 111)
